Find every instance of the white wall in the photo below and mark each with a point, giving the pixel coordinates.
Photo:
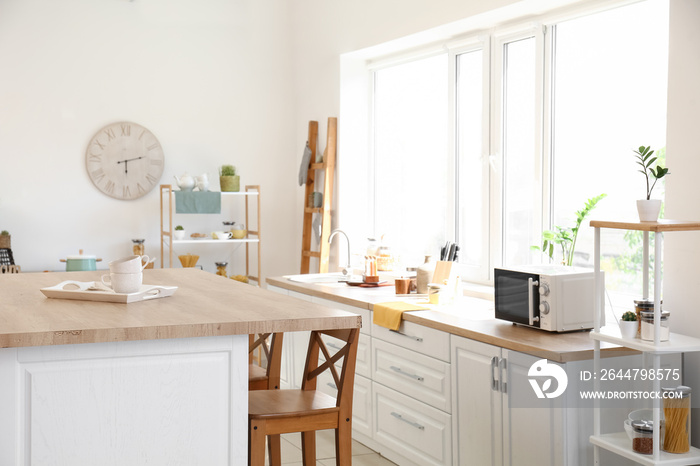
(682, 250)
(210, 79)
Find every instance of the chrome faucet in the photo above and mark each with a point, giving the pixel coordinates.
(347, 270)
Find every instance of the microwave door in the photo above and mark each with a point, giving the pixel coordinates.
(517, 298)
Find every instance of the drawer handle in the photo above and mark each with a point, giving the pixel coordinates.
(494, 366)
(412, 337)
(400, 418)
(407, 374)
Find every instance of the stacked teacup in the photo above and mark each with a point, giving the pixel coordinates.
(126, 274)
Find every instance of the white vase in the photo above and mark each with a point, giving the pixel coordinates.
(179, 235)
(628, 329)
(648, 209)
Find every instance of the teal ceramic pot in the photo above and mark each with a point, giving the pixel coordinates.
(81, 263)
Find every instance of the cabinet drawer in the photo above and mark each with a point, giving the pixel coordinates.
(364, 312)
(413, 374)
(364, 356)
(361, 401)
(412, 429)
(418, 338)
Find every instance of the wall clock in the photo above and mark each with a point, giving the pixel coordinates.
(124, 160)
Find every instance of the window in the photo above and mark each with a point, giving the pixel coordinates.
(499, 137)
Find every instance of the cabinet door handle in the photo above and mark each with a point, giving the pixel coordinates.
(412, 337)
(407, 374)
(503, 365)
(401, 418)
(494, 366)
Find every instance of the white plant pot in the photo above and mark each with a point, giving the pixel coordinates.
(628, 329)
(648, 209)
(179, 235)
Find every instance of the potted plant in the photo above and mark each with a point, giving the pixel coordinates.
(649, 208)
(5, 239)
(179, 233)
(629, 325)
(229, 181)
(566, 237)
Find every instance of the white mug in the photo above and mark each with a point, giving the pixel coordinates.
(130, 264)
(123, 282)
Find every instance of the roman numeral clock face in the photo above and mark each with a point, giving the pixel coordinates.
(124, 160)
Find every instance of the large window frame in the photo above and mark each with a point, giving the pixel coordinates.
(493, 42)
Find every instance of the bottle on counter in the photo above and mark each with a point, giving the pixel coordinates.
(424, 275)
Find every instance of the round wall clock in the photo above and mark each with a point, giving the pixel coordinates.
(124, 160)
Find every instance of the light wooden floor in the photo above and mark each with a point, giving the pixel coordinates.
(325, 451)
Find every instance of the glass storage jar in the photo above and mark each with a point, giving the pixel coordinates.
(138, 248)
(641, 305)
(221, 268)
(677, 416)
(643, 437)
(648, 326)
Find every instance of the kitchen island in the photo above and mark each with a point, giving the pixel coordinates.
(161, 382)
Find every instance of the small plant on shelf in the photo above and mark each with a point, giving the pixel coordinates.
(5, 233)
(5, 239)
(645, 160)
(179, 233)
(629, 316)
(228, 179)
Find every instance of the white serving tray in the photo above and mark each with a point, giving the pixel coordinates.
(96, 291)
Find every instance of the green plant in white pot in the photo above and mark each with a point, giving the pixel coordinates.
(179, 233)
(229, 181)
(649, 208)
(629, 325)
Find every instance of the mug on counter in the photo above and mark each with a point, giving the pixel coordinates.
(402, 285)
(129, 264)
(123, 282)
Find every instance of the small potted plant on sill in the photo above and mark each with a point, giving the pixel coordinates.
(229, 181)
(629, 325)
(649, 208)
(5, 239)
(179, 233)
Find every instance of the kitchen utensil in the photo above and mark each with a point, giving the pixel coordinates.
(129, 264)
(95, 291)
(81, 262)
(123, 282)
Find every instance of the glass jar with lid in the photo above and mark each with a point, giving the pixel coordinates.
(677, 419)
(221, 268)
(648, 326)
(138, 247)
(643, 437)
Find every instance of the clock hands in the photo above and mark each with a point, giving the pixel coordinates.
(126, 162)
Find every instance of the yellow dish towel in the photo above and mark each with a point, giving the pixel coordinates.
(389, 314)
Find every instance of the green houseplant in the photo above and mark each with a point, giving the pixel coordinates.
(628, 325)
(5, 239)
(565, 237)
(179, 233)
(649, 208)
(229, 181)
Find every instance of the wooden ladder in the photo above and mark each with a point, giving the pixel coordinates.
(328, 167)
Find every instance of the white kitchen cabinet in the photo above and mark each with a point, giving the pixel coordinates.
(488, 430)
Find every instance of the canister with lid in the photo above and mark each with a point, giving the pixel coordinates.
(677, 415)
(639, 306)
(643, 437)
(648, 326)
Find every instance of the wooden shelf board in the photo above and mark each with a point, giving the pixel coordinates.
(620, 444)
(660, 226)
(677, 343)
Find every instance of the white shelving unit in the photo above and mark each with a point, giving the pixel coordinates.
(618, 442)
(251, 193)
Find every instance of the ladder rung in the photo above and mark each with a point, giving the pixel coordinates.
(311, 254)
(318, 166)
(313, 210)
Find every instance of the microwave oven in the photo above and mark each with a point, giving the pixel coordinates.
(548, 297)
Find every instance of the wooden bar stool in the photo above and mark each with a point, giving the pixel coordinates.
(265, 378)
(275, 412)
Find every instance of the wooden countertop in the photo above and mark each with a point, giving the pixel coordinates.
(205, 304)
(474, 319)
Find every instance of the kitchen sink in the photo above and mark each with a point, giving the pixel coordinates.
(318, 278)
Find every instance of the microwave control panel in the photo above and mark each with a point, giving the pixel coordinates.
(547, 319)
